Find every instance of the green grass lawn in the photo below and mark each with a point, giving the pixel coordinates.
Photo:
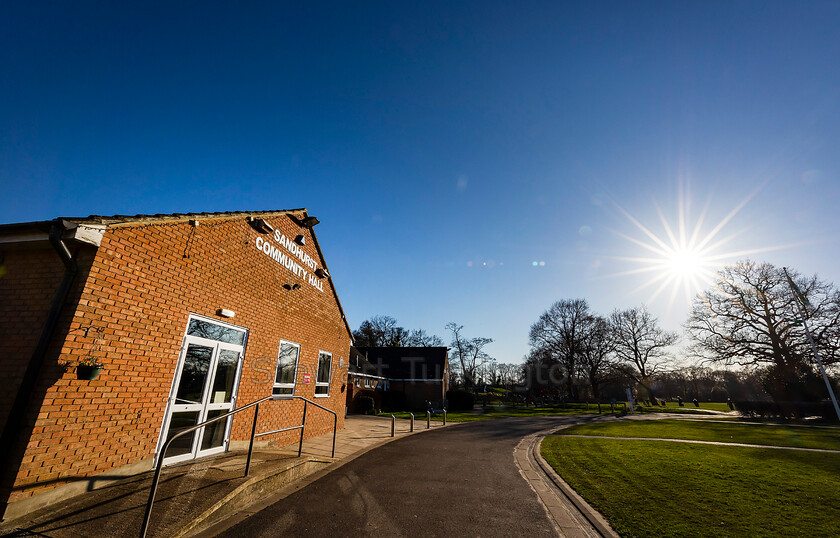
(674, 407)
(450, 417)
(672, 489)
(756, 434)
(503, 411)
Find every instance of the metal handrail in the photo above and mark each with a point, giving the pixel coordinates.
(256, 406)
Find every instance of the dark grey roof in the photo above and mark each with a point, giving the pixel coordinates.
(157, 217)
(358, 364)
(407, 362)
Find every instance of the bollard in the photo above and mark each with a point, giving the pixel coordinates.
(444, 417)
(412, 422)
(428, 419)
(393, 425)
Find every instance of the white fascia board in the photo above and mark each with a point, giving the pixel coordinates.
(359, 374)
(418, 380)
(87, 233)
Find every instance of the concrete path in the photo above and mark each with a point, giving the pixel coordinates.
(462, 481)
(189, 490)
(695, 442)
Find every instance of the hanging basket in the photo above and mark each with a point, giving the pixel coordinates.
(87, 372)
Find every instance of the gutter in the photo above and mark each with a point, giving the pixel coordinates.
(30, 376)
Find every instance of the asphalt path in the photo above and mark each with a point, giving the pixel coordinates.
(455, 481)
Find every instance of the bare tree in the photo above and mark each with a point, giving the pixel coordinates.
(597, 346)
(559, 332)
(750, 318)
(640, 344)
(383, 331)
(509, 374)
(378, 331)
(419, 338)
(468, 352)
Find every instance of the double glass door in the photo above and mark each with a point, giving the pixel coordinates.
(204, 387)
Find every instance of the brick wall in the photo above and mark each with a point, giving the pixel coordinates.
(144, 282)
(28, 281)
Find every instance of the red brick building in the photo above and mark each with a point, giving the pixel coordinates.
(192, 315)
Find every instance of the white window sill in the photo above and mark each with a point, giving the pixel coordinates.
(322, 395)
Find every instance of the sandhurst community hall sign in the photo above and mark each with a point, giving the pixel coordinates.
(286, 259)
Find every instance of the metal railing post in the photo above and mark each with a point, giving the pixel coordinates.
(302, 427)
(335, 430)
(152, 491)
(251, 444)
(412, 422)
(393, 425)
(156, 479)
(256, 405)
(444, 417)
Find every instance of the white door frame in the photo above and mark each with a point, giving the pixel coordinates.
(204, 406)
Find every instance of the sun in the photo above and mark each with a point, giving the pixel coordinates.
(685, 255)
(685, 263)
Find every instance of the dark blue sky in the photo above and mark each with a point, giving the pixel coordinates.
(435, 138)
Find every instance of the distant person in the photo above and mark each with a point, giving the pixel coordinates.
(695, 402)
(730, 404)
(679, 400)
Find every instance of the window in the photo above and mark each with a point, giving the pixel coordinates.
(367, 382)
(215, 331)
(322, 382)
(287, 359)
(358, 382)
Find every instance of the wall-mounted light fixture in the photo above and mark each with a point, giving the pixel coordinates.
(225, 313)
(320, 273)
(309, 222)
(291, 287)
(300, 240)
(260, 225)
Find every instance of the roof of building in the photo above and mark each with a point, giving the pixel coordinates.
(38, 230)
(416, 363)
(145, 219)
(358, 364)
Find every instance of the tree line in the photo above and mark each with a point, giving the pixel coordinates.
(749, 318)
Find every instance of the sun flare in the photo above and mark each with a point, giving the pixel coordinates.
(685, 255)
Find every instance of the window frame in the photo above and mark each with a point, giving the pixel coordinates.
(293, 384)
(320, 384)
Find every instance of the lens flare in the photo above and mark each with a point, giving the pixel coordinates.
(683, 257)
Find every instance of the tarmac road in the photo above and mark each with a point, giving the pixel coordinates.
(456, 481)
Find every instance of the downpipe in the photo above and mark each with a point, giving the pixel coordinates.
(30, 376)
